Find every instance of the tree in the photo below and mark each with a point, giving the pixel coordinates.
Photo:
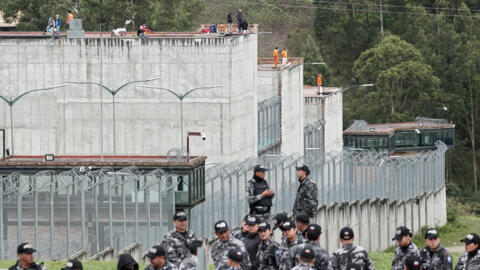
(405, 87)
(161, 15)
(302, 44)
(466, 96)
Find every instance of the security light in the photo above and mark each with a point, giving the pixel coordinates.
(49, 157)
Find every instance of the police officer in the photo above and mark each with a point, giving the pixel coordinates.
(405, 247)
(176, 242)
(224, 244)
(270, 254)
(191, 262)
(350, 254)
(306, 259)
(259, 194)
(413, 262)
(471, 259)
(25, 258)
(292, 240)
(158, 261)
(235, 258)
(280, 218)
(242, 232)
(252, 240)
(306, 200)
(126, 262)
(303, 221)
(313, 233)
(434, 256)
(77, 265)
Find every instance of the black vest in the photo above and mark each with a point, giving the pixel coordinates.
(259, 186)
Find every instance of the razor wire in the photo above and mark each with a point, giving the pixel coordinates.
(84, 209)
(345, 177)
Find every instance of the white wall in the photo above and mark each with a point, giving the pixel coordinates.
(374, 221)
(67, 120)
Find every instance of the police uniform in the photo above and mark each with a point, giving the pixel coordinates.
(176, 244)
(292, 246)
(259, 206)
(270, 254)
(322, 260)
(26, 248)
(166, 266)
(189, 263)
(350, 254)
(251, 241)
(159, 251)
(235, 255)
(306, 253)
(306, 200)
(439, 259)
(219, 249)
(401, 253)
(238, 232)
(470, 260)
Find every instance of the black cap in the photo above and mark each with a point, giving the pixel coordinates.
(314, 231)
(307, 252)
(25, 248)
(252, 220)
(431, 233)
(287, 225)
(260, 168)
(304, 168)
(471, 238)
(73, 264)
(280, 218)
(221, 226)
(413, 262)
(180, 216)
(156, 251)
(346, 233)
(303, 218)
(401, 232)
(235, 254)
(263, 226)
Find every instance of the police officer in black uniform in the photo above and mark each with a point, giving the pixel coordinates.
(25, 261)
(259, 194)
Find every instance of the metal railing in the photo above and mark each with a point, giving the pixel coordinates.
(268, 123)
(84, 210)
(347, 177)
(313, 138)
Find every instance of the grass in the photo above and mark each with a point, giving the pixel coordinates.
(450, 236)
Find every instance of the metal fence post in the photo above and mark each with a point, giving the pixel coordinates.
(52, 215)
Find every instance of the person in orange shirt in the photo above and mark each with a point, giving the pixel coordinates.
(320, 84)
(275, 56)
(284, 57)
(69, 17)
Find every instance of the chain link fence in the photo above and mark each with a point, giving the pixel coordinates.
(347, 177)
(84, 210)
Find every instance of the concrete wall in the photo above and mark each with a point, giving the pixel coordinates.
(67, 120)
(288, 85)
(327, 107)
(374, 221)
(333, 118)
(292, 111)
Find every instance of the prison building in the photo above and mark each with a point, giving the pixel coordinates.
(420, 135)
